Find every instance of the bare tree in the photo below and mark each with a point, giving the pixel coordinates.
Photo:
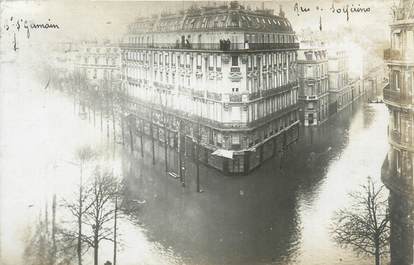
(100, 214)
(83, 155)
(41, 247)
(364, 226)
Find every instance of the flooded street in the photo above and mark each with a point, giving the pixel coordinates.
(279, 214)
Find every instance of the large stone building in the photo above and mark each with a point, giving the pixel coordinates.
(397, 170)
(97, 62)
(313, 83)
(339, 92)
(224, 77)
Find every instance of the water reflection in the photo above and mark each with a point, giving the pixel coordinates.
(279, 213)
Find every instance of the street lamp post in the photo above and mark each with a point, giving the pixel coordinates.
(198, 136)
(165, 131)
(180, 160)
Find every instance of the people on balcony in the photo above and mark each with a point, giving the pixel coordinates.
(246, 44)
(224, 44)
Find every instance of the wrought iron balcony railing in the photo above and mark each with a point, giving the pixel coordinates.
(405, 55)
(213, 46)
(392, 54)
(403, 139)
(396, 180)
(397, 97)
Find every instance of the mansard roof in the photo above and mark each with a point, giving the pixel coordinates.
(235, 17)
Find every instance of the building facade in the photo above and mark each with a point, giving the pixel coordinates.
(397, 170)
(223, 78)
(97, 62)
(313, 84)
(340, 94)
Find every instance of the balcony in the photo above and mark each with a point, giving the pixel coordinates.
(254, 95)
(310, 98)
(392, 55)
(197, 93)
(394, 180)
(280, 89)
(403, 56)
(235, 98)
(270, 117)
(214, 96)
(396, 97)
(162, 85)
(401, 140)
(213, 46)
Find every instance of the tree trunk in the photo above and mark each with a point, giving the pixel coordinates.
(115, 228)
(114, 124)
(94, 114)
(377, 252)
(95, 253)
(142, 142)
(79, 249)
(101, 119)
(122, 129)
(131, 139)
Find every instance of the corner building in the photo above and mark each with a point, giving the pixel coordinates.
(221, 77)
(313, 83)
(397, 169)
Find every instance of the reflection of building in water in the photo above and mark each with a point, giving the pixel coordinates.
(224, 76)
(397, 171)
(313, 83)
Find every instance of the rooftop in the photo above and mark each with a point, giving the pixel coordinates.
(233, 16)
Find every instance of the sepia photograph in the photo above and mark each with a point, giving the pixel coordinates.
(195, 132)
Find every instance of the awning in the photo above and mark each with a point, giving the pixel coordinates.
(223, 153)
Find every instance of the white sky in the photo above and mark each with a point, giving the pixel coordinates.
(97, 19)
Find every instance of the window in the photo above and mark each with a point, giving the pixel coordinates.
(199, 60)
(235, 139)
(234, 61)
(396, 120)
(398, 160)
(235, 114)
(210, 61)
(410, 40)
(397, 79)
(309, 72)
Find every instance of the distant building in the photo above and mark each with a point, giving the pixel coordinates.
(63, 63)
(397, 169)
(221, 76)
(99, 62)
(340, 94)
(313, 83)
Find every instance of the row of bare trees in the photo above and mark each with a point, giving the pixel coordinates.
(87, 219)
(94, 212)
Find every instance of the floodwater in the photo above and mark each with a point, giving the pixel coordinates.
(279, 214)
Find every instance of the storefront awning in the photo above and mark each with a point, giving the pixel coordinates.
(223, 153)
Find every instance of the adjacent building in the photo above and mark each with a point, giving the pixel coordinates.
(98, 62)
(223, 78)
(397, 170)
(313, 83)
(339, 93)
